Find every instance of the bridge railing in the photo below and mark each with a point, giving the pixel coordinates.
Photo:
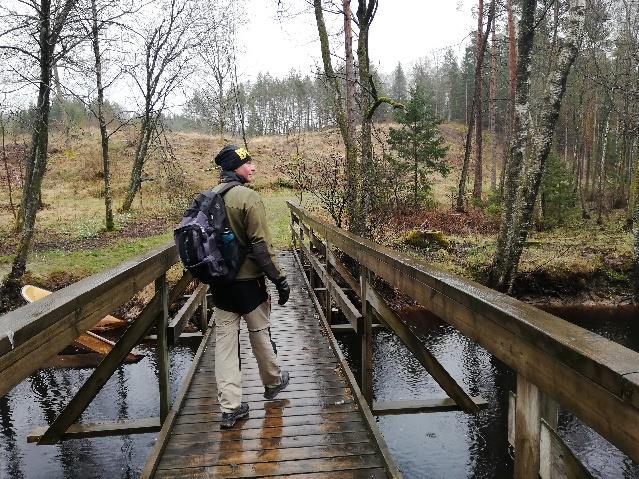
(556, 362)
(32, 334)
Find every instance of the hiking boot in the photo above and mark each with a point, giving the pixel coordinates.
(230, 418)
(271, 391)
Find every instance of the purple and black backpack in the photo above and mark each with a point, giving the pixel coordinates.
(206, 244)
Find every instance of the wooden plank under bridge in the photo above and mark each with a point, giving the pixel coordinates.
(323, 424)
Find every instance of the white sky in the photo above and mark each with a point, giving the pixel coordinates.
(403, 30)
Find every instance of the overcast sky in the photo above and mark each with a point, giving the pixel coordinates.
(403, 30)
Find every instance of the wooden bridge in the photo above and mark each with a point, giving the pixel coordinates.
(323, 424)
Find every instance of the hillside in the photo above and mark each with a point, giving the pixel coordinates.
(577, 261)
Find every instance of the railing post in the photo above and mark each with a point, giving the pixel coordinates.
(365, 333)
(311, 270)
(162, 351)
(327, 297)
(527, 429)
(204, 312)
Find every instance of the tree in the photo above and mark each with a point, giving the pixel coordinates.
(399, 86)
(418, 140)
(476, 104)
(524, 173)
(167, 43)
(48, 25)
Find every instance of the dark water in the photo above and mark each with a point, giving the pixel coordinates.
(459, 445)
(439, 445)
(131, 393)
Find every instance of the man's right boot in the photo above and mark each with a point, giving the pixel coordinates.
(230, 418)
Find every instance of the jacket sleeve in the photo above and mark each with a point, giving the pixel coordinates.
(259, 238)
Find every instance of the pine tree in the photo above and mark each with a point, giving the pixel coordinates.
(418, 141)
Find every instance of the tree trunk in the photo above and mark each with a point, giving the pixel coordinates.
(40, 138)
(602, 170)
(104, 137)
(144, 137)
(365, 13)
(493, 109)
(477, 186)
(352, 179)
(461, 193)
(523, 180)
(512, 89)
(59, 98)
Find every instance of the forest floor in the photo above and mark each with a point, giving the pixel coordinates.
(577, 262)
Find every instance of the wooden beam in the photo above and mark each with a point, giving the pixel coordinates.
(30, 335)
(556, 458)
(365, 333)
(180, 286)
(117, 428)
(177, 323)
(162, 347)
(527, 429)
(422, 405)
(102, 373)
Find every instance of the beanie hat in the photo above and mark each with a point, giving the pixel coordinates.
(231, 157)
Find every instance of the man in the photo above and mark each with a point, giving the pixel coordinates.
(246, 296)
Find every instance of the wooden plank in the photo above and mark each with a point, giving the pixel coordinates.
(177, 451)
(204, 311)
(373, 473)
(202, 413)
(393, 470)
(162, 347)
(265, 469)
(160, 442)
(527, 429)
(177, 323)
(218, 458)
(587, 374)
(33, 333)
(422, 405)
(102, 373)
(185, 280)
(117, 428)
(239, 434)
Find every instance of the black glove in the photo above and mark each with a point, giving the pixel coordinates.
(283, 291)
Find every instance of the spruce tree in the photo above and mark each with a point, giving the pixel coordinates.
(418, 141)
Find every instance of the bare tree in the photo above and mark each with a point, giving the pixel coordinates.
(38, 33)
(168, 43)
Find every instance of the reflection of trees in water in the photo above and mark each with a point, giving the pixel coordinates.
(13, 464)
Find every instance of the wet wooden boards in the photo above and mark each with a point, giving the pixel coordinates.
(313, 429)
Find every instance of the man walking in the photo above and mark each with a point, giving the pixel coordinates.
(246, 296)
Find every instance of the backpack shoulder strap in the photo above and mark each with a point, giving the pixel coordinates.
(227, 186)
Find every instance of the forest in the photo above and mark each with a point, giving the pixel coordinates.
(513, 163)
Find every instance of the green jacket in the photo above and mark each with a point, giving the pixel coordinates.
(247, 218)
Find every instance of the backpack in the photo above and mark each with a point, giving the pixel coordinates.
(206, 244)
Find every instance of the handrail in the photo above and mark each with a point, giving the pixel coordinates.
(37, 331)
(593, 377)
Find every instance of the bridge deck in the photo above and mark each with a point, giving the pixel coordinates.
(314, 428)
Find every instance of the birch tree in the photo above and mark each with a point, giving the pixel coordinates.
(527, 161)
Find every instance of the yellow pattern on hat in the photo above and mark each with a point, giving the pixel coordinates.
(242, 153)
